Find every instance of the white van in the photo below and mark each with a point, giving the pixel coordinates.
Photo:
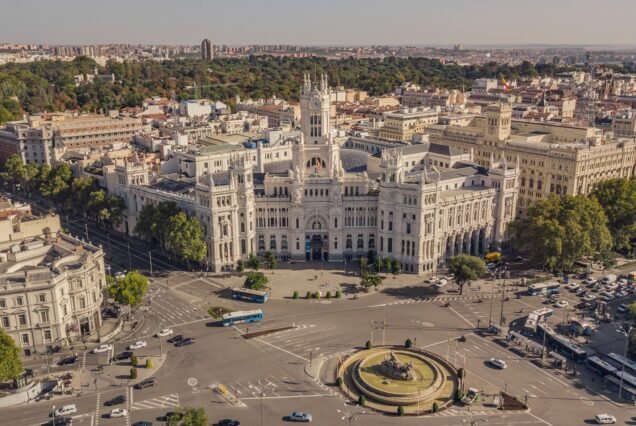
(604, 419)
(66, 410)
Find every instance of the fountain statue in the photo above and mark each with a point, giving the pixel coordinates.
(395, 369)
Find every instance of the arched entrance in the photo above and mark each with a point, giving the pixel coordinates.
(316, 239)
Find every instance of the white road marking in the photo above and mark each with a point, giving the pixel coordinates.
(282, 350)
(315, 395)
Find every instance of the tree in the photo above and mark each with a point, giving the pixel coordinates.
(270, 259)
(396, 267)
(185, 238)
(14, 170)
(190, 416)
(256, 281)
(129, 290)
(363, 264)
(618, 200)
(253, 262)
(370, 280)
(606, 258)
(377, 264)
(387, 264)
(240, 266)
(466, 268)
(58, 182)
(559, 230)
(10, 363)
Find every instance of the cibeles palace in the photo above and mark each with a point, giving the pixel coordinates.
(303, 197)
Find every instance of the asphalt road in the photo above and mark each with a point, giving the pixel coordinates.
(274, 364)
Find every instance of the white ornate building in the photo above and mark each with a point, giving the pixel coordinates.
(417, 204)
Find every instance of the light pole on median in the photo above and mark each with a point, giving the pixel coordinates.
(348, 415)
(150, 261)
(625, 333)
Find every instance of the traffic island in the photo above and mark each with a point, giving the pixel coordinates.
(386, 378)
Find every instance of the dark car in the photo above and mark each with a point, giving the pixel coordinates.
(124, 355)
(142, 423)
(59, 421)
(146, 383)
(185, 342)
(175, 339)
(69, 360)
(170, 416)
(120, 399)
(228, 422)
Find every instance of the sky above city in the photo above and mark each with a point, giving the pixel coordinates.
(319, 22)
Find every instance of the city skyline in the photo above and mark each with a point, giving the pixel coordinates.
(354, 22)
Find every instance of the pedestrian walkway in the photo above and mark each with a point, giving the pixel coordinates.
(171, 400)
(274, 387)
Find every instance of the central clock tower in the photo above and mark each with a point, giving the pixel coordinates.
(314, 108)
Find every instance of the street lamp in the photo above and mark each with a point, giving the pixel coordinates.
(261, 391)
(54, 414)
(625, 333)
(472, 420)
(348, 415)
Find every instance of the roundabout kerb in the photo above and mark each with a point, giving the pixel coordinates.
(395, 376)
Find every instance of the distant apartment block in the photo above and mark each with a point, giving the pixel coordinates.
(40, 138)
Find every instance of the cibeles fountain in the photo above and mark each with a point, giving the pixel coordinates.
(390, 376)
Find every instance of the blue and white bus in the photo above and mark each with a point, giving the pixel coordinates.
(599, 366)
(619, 361)
(242, 317)
(562, 344)
(250, 295)
(544, 288)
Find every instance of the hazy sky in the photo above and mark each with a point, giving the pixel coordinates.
(319, 21)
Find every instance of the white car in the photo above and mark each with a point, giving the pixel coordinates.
(164, 332)
(138, 345)
(118, 412)
(561, 303)
(432, 280)
(622, 281)
(589, 280)
(102, 348)
(604, 419)
(65, 410)
(441, 283)
(573, 286)
(499, 363)
(621, 293)
(589, 297)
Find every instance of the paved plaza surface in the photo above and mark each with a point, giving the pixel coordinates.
(292, 370)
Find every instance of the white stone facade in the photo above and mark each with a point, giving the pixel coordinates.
(416, 204)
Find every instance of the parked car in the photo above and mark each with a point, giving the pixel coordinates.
(101, 349)
(118, 412)
(175, 339)
(146, 383)
(491, 265)
(432, 280)
(138, 345)
(441, 283)
(604, 419)
(185, 342)
(498, 363)
(573, 286)
(621, 293)
(622, 308)
(68, 360)
(120, 399)
(298, 416)
(164, 332)
(589, 280)
(471, 396)
(59, 421)
(608, 297)
(589, 297)
(228, 422)
(124, 355)
(66, 410)
(142, 423)
(561, 303)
